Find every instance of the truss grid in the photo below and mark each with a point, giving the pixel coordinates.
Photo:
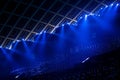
(25, 18)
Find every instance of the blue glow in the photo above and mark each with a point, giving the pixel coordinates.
(99, 15)
(28, 52)
(8, 57)
(43, 37)
(14, 45)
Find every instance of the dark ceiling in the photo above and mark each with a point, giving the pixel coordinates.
(22, 19)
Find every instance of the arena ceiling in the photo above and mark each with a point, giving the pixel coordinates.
(23, 19)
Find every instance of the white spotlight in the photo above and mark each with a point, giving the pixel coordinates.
(106, 6)
(80, 17)
(92, 14)
(23, 39)
(44, 31)
(17, 76)
(117, 4)
(10, 47)
(36, 33)
(68, 23)
(111, 4)
(40, 32)
(76, 21)
(18, 40)
(13, 42)
(86, 16)
(62, 24)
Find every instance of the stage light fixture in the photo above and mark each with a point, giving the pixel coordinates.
(76, 21)
(106, 6)
(81, 17)
(44, 31)
(18, 40)
(23, 39)
(62, 24)
(13, 42)
(40, 33)
(68, 23)
(10, 47)
(111, 4)
(117, 5)
(86, 16)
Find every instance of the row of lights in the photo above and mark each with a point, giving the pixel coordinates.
(91, 14)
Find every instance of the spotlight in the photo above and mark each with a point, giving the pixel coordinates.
(36, 33)
(44, 31)
(80, 17)
(51, 32)
(76, 21)
(17, 76)
(86, 16)
(117, 5)
(106, 6)
(111, 5)
(92, 14)
(18, 40)
(14, 42)
(68, 23)
(101, 8)
(0, 46)
(7, 47)
(10, 47)
(62, 24)
(23, 39)
(40, 32)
